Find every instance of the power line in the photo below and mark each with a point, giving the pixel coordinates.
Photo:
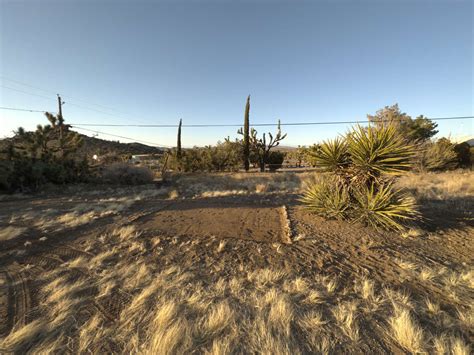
(230, 125)
(20, 109)
(71, 104)
(27, 93)
(67, 96)
(115, 135)
(258, 124)
(51, 92)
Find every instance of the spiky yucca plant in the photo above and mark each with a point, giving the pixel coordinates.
(333, 155)
(363, 165)
(375, 152)
(382, 206)
(327, 198)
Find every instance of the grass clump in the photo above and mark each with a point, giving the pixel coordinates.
(363, 166)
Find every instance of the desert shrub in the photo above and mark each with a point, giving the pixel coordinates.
(463, 152)
(225, 156)
(6, 169)
(31, 159)
(275, 160)
(438, 155)
(23, 173)
(126, 174)
(362, 167)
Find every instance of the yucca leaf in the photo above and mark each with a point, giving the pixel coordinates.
(378, 151)
(332, 155)
(381, 206)
(328, 198)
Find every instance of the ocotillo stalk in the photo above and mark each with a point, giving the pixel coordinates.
(247, 136)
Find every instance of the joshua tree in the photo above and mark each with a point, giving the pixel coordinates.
(362, 167)
(246, 133)
(260, 147)
(49, 141)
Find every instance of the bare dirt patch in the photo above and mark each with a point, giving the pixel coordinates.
(205, 218)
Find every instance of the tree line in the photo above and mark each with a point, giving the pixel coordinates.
(50, 153)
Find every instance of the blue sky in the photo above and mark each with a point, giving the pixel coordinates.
(156, 62)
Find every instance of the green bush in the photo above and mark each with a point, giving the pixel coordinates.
(362, 166)
(463, 152)
(126, 174)
(225, 156)
(31, 159)
(26, 174)
(439, 155)
(275, 160)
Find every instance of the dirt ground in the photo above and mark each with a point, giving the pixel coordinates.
(235, 265)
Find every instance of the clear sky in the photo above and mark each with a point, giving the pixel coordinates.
(156, 62)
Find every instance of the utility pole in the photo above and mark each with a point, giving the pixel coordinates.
(60, 107)
(60, 123)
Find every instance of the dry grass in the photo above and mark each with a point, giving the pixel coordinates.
(439, 186)
(346, 314)
(226, 184)
(269, 310)
(127, 294)
(11, 232)
(432, 307)
(406, 331)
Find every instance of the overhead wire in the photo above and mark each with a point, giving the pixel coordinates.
(258, 124)
(65, 96)
(121, 117)
(232, 125)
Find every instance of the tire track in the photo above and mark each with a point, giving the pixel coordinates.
(19, 302)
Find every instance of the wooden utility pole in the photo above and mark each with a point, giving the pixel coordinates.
(60, 123)
(60, 107)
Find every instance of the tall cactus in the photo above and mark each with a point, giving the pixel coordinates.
(247, 136)
(178, 144)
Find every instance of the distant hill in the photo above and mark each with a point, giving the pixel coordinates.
(92, 145)
(101, 147)
(285, 148)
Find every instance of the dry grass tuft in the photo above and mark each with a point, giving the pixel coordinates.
(427, 274)
(346, 314)
(406, 331)
(220, 317)
(412, 233)
(11, 232)
(406, 265)
(432, 307)
(221, 246)
(459, 347)
(466, 317)
(127, 232)
(312, 320)
(20, 339)
(281, 314)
